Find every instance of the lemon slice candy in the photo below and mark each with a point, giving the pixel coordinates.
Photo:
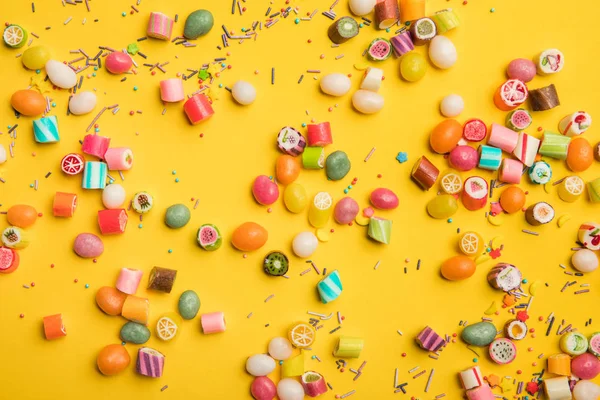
(167, 326)
(14, 36)
(451, 183)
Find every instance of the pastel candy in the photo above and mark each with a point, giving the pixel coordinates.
(60, 74)
(402, 43)
(213, 322)
(119, 158)
(150, 362)
(555, 145)
(503, 138)
(330, 287)
(483, 392)
(558, 388)
(45, 130)
(95, 145)
(82, 103)
(94, 175)
(540, 173)
(471, 378)
(429, 340)
(112, 221)
(490, 157)
(526, 149)
(171, 90)
(380, 230)
(129, 280)
(511, 171)
(118, 62)
(160, 26)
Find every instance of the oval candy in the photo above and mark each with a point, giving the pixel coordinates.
(335, 84)
(82, 103)
(132, 332)
(28, 102)
(442, 206)
(60, 74)
(249, 236)
(189, 304)
(260, 365)
(21, 215)
(479, 334)
(384, 199)
(265, 191)
(35, 57)
(88, 245)
(118, 62)
(367, 102)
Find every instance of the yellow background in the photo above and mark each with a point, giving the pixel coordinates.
(238, 145)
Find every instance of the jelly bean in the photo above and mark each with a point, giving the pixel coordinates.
(295, 198)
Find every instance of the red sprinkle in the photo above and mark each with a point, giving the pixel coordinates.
(403, 354)
(309, 40)
(40, 215)
(202, 135)
(22, 316)
(342, 370)
(95, 261)
(229, 66)
(153, 73)
(540, 318)
(465, 3)
(379, 175)
(519, 372)
(343, 318)
(32, 284)
(540, 129)
(131, 112)
(51, 265)
(75, 280)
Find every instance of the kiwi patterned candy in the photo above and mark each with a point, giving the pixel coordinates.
(133, 332)
(276, 263)
(189, 304)
(343, 30)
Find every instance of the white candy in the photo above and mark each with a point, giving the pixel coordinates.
(305, 244)
(586, 390)
(60, 74)
(584, 260)
(243, 92)
(113, 196)
(452, 105)
(280, 348)
(361, 7)
(260, 365)
(372, 79)
(367, 102)
(2, 154)
(442, 52)
(289, 389)
(82, 103)
(335, 84)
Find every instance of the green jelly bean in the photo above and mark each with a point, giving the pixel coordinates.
(198, 23)
(177, 216)
(189, 304)
(133, 332)
(337, 165)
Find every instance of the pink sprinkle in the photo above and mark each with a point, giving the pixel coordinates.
(95, 261)
(32, 284)
(269, 210)
(245, 255)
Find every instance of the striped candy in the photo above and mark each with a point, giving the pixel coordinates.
(527, 148)
(429, 340)
(471, 378)
(45, 130)
(159, 26)
(94, 175)
(402, 43)
(150, 362)
(489, 157)
(330, 287)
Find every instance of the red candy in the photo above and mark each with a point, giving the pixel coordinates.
(112, 221)
(474, 130)
(72, 164)
(95, 145)
(118, 62)
(319, 135)
(9, 260)
(198, 108)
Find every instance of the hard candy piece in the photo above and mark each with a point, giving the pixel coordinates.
(160, 26)
(54, 327)
(95, 145)
(94, 175)
(584, 260)
(82, 103)
(558, 388)
(118, 62)
(88, 245)
(346, 210)
(586, 366)
(110, 300)
(209, 237)
(198, 108)
(28, 102)
(384, 199)
(129, 280)
(265, 191)
(260, 365)
(162, 279)
(471, 378)
(263, 388)
(135, 333)
(559, 364)
(249, 236)
(330, 288)
(243, 92)
(429, 340)
(119, 158)
(586, 390)
(452, 105)
(142, 202)
(36, 57)
(45, 130)
(150, 362)
(136, 309)
(197, 24)
(2, 154)
(213, 322)
(295, 365)
(502, 351)
(112, 222)
(113, 196)
(367, 102)
(361, 7)
(305, 244)
(483, 392)
(521, 69)
(280, 348)
(380, 230)
(295, 198)
(464, 158)
(177, 216)
(337, 165)
(290, 389)
(335, 84)
(171, 90)
(442, 207)
(442, 52)
(15, 237)
(189, 304)
(480, 334)
(21, 215)
(9, 260)
(60, 74)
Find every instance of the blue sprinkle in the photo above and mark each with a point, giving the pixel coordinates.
(223, 65)
(124, 13)
(313, 357)
(53, 104)
(402, 157)
(492, 10)
(122, 343)
(349, 186)
(280, 362)
(170, 250)
(304, 124)
(449, 220)
(176, 180)
(297, 21)
(87, 285)
(37, 71)
(488, 250)
(361, 26)
(140, 226)
(525, 281)
(243, 29)
(135, 88)
(271, 177)
(96, 130)
(475, 360)
(220, 85)
(346, 191)
(174, 172)
(111, 181)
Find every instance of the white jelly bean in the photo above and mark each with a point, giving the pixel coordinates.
(260, 365)
(442, 52)
(367, 102)
(2, 154)
(82, 103)
(361, 7)
(60, 74)
(452, 105)
(289, 389)
(584, 260)
(280, 348)
(243, 92)
(335, 84)
(113, 196)
(305, 244)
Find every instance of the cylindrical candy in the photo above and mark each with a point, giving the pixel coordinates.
(320, 210)
(474, 130)
(526, 149)
(54, 327)
(518, 119)
(94, 175)
(575, 124)
(95, 145)
(402, 43)
(422, 31)
(511, 171)
(558, 388)
(559, 364)
(64, 204)
(119, 158)
(539, 214)
(15, 238)
(571, 188)
(162, 279)
(198, 108)
(483, 392)
(342, 30)
(489, 157)
(213, 322)
(471, 378)
(319, 135)
(573, 343)
(171, 90)
(112, 221)
(550, 61)
(540, 173)
(314, 384)
(425, 173)
(503, 138)
(511, 94)
(136, 309)
(445, 20)
(412, 10)
(129, 280)
(372, 79)
(159, 26)
(380, 230)
(290, 141)
(313, 158)
(348, 347)
(330, 287)
(594, 190)
(545, 98)
(387, 13)
(72, 164)
(515, 329)
(45, 130)
(142, 202)
(555, 145)
(504, 277)
(150, 362)
(474, 194)
(429, 340)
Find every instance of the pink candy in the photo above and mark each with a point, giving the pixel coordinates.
(265, 191)
(159, 26)
(346, 210)
(119, 158)
(129, 280)
(511, 171)
(198, 108)
(586, 366)
(463, 158)
(263, 388)
(118, 62)
(503, 138)
(483, 392)
(213, 322)
(384, 199)
(95, 145)
(171, 90)
(521, 69)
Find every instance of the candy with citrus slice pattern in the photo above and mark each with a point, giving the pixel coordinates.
(302, 335)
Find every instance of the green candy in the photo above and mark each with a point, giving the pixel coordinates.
(380, 230)
(133, 332)
(177, 216)
(133, 48)
(480, 334)
(198, 23)
(189, 304)
(337, 165)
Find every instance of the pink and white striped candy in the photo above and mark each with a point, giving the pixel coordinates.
(119, 158)
(526, 149)
(471, 378)
(160, 26)
(503, 138)
(150, 362)
(511, 171)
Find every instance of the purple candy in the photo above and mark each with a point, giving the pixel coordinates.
(429, 340)
(150, 362)
(402, 43)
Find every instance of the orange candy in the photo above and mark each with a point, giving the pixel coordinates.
(28, 102)
(445, 136)
(458, 268)
(287, 169)
(249, 236)
(54, 327)
(110, 300)
(21, 215)
(113, 359)
(580, 155)
(512, 199)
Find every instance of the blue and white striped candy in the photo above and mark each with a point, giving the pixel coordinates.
(489, 157)
(330, 288)
(94, 175)
(45, 130)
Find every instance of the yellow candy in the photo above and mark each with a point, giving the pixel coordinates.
(36, 57)
(320, 210)
(293, 366)
(482, 258)
(547, 187)
(442, 206)
(361, 66)
(491, 309)
(534, 287)
(295, 198)
(497, 242)
(323, 234)
(362, 220)
(563, 220)
(495, 220)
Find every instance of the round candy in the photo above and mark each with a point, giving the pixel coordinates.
(452, 105)
(471, 243)
(458, 268)
(305, 244)
(463, 158)
(21, 215)
(135, 333)
(265, 191)
(35, 57)
(289, 389)
(512, 200)
(346, 210)
(585, 366)
(367, 102)
(243, 92)
(287, 169)
(280, 348)
(188, 305)
(295, 198)
(198, 23)
(584, 260)
(260, 365)
(28, 102)
(113, 196)
(337, 165)
(413, 66)
(580, 155)
(82, 103)
(60, 74)
(263, 388)
(384, 199)
(14, 36)
(442, 206)
(88, 245)
(335, 84)
(177, 216)
(110, 300)
(361, 7)
(249, 236)
(442, 52)
(118, 62)
(521, 69)
(445, 136)
(586, 390)
(113, 359)
(9, 260)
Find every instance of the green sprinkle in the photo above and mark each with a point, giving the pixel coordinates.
(297, 21)
(492, 10)
(140, 226)
(124, 13)
(176, 180)
(135, 88)
(475, 360)
(170, 250)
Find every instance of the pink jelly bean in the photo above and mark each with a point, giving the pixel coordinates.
(384, 199)
(463, 158)
(118, 62)
(265, 191)
(585, 366)
(521, 69)
(346, 210)
(263, 388)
